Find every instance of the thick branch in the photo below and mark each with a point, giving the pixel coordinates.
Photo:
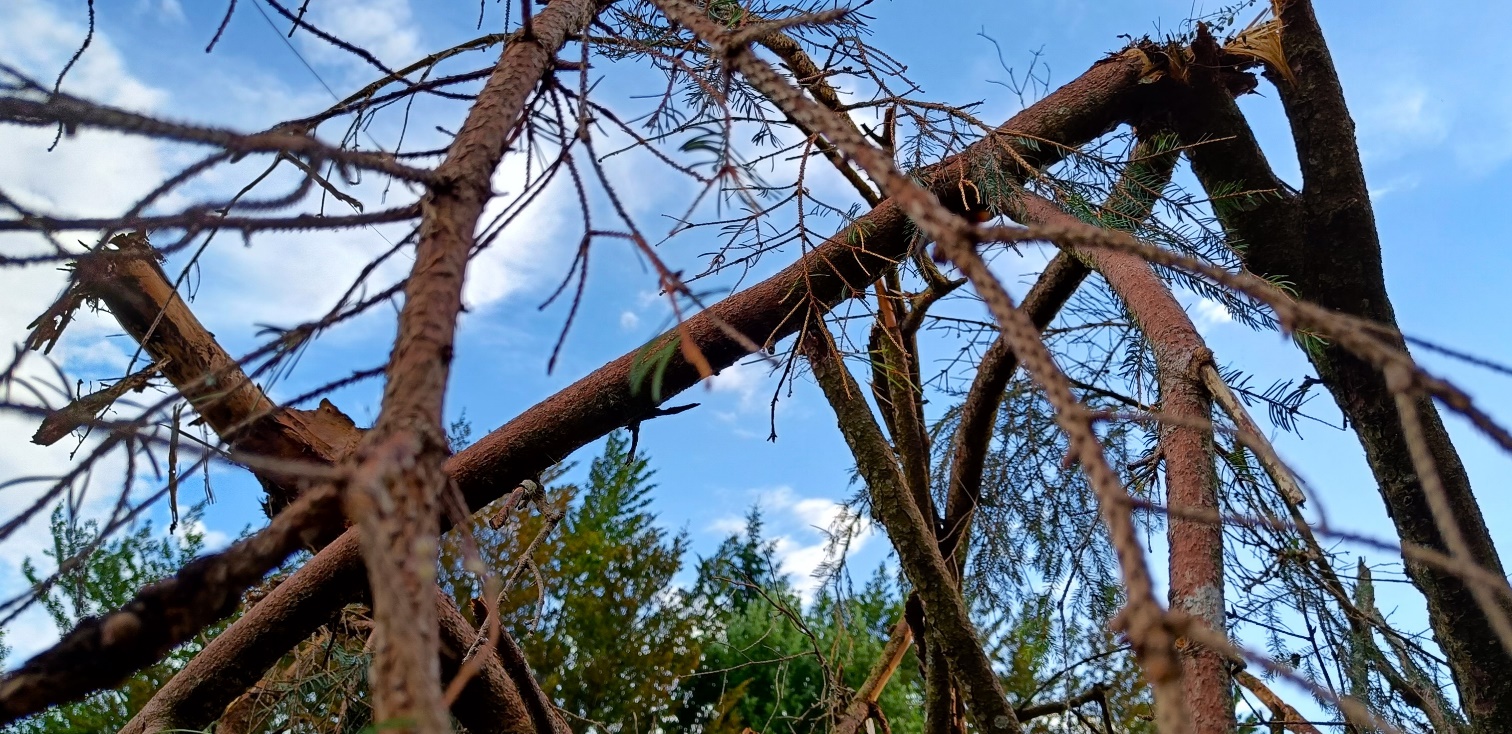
(490, 702)
(812, 79)
(396, 487)
(1143, 619)
(101, 651)
(912, 536)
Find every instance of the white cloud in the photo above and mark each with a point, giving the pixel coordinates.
(628, 320)
(801, 529)
(1211, 313)
(384, 28)
(743, 380)
(40, 41)
(1381, 189)
(90, 173)
(528, 256)
(122, 168)
(214, 539)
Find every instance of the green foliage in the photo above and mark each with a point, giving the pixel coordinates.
(103, 581)
(652, 361)
(598, 618)
(770, 665)
(459, 432)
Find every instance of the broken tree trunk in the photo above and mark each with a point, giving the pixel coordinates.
(127, 278)
(1324, 241)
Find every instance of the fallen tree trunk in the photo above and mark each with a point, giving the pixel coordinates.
(845, 265)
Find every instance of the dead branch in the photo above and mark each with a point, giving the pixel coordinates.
(87, 408)
(912, 536)
(72, 113)
(128, 280)
(1133, 199)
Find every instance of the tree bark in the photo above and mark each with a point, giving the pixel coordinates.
(1196, 548)
(397, 481)
(946, 617)
(1324, 241)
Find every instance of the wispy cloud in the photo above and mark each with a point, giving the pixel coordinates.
(804, 531)
(384, 28)
(1211, 314)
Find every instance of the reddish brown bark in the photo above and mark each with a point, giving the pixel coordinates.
(128, 280)
(1196, 548)
(973, 434)
(394, 494)
(488, 704)
(237, 657)
(491, 702)
(100, 651)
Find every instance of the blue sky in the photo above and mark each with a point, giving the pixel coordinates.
(1426, 85)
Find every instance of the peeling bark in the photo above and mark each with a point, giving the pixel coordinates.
(128, 280)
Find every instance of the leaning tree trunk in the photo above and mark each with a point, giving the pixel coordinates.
(1324, 241)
